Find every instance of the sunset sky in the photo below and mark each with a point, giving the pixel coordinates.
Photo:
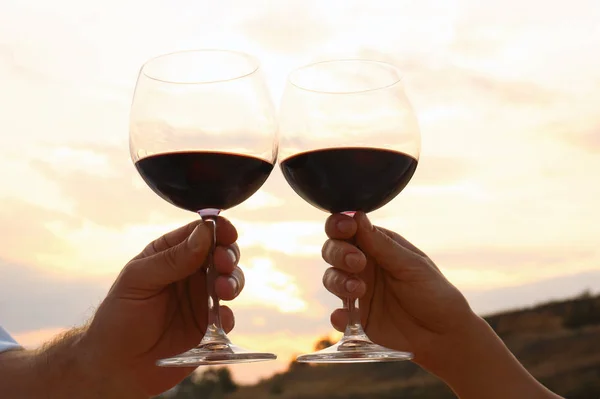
(505, 199)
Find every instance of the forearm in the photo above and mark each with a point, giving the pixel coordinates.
(62, 369)
(481, 366)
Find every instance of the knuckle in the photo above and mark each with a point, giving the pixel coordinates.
(333, 252)
(238, 275)
(228, 317)
(131, 273)
(328, 277)
(159, 243)
(238, 253)
(329, 223)
(149, 250)
(337, 254)
(325, 251)
(155, 246)
(128, 273)
(333, 280)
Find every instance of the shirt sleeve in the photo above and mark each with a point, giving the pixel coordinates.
(7, 342)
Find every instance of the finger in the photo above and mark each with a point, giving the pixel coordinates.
(339, 319)
(340, 227)
(155, 272)
(168, 240)
(407, 244)
(344, 256)
(401, 240)
(227, 318)
(343, 285)
(226, 258)
(229, 286)
(401, 262)
(226, 232)
(226, 235)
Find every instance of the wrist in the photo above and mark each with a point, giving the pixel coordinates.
(446, 352)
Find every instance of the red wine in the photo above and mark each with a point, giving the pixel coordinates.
(201, 180)
(349, 179)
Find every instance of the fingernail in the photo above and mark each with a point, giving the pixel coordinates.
(234, 283)
(352, 285)
(232, 255)
(344, 226)
(195, 240)
(353, 260)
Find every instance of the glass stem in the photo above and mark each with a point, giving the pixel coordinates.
(214, 330)
(354, 328)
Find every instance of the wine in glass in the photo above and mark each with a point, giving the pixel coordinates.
(350, 142)
(203, 136)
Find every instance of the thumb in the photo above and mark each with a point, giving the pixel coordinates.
(389, 254)
(173, 264)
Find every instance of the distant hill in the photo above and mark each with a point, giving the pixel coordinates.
(558, 342)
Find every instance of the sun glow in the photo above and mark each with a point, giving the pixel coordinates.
(268, 287)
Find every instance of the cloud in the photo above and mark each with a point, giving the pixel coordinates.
(568, 285)
(445, 80)
(441, 170)
(269, 287)
(585, 138)
(291, 284)
(489, 268)
(290, 27)
(34, 298)
(511, 92)
(109, 193)
(11, 66)
(509, 259)
(27, 238)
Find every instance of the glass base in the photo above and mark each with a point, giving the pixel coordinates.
(214, 349)
(355, 350)
(212, 355)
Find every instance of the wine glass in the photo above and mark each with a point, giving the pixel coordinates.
(203, 136)
(350, 142)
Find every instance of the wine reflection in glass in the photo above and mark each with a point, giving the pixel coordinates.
(203, 136)
(350, 142)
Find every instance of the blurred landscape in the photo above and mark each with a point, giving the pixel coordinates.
(558, 342)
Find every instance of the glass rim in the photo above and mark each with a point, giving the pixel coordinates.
(253, 68)
(346, 60)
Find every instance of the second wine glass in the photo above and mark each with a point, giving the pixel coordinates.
(349, 142)
(203, 136)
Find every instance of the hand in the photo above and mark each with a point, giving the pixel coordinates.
(405, 303)
(157, 307)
